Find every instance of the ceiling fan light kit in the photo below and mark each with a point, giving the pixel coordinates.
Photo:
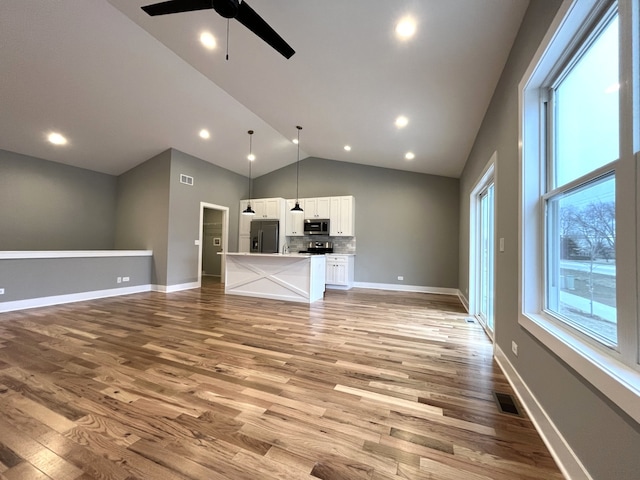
(228, 9)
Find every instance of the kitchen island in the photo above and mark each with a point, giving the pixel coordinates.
(292, 277)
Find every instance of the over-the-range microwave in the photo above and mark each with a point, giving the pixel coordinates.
(316, 227)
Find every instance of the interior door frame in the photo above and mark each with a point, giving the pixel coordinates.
(489, 175)
(225, 238)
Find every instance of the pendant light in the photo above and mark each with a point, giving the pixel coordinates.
(296, 208)
(251, 157)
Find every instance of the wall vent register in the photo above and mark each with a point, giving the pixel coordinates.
(186, 179)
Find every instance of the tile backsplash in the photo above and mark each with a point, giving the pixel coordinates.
(340, 244)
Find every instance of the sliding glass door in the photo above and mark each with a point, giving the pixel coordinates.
(486, 251)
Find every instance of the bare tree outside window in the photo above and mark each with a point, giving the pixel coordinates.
(585, 293)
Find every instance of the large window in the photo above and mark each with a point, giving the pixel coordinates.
(579, 214)
(582, 124)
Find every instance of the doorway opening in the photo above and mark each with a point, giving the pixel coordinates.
(214, 238)
(482, 249)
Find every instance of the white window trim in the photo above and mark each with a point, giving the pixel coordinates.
(614, 378)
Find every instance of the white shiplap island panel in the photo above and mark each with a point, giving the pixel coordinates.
(291, 277)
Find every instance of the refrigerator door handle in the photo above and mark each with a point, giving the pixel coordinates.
(260, 234)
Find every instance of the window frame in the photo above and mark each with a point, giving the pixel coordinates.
(598, 173)
(615, 373)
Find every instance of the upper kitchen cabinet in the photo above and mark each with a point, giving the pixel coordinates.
(342, 217)
(317, 208)
(294, 222)
(268, 208)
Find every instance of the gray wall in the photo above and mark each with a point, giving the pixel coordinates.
(143, 212)
(605, 439)
(406, 223)
(31, 278)
(51, 206)
(212, 184)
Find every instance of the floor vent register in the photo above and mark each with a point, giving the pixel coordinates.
(507, 404)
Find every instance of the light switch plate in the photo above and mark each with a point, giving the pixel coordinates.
(502, 244)
(1, 291)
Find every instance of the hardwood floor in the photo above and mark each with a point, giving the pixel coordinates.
(198, 385)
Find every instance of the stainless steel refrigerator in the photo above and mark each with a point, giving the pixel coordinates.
(264, 236)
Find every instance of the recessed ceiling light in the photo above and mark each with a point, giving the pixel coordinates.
(402, 121)
(208, 40)
(204, 133)
(295, 140)
(406, 28)
(347, 148)
(251, 157)
(56, 139)
(409, 156)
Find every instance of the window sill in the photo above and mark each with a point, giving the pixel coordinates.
(618, 382)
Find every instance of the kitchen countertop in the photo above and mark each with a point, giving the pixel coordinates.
(296, 255)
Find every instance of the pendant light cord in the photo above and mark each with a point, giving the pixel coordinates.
(227, 57)
(250, 132)
(298, 167)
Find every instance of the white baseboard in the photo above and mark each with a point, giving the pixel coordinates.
(407, 288)
(569, 464)
(175, 288)
(464, 301)
(70, 298)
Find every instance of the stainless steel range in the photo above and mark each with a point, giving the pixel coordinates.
(318, 248)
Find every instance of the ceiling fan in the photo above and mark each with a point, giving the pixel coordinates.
(237, 9)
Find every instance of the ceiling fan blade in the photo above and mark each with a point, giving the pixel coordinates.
(177, 6)
(254, 22)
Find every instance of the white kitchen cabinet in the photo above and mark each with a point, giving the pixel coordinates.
(342, 217)
(294, 222)
(267, 208)
(340, 271)
(317, 208)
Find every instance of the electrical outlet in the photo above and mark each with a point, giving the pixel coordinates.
(119, 279)
(125, 279)
(514, 348)
(400, 277)
(1, 291)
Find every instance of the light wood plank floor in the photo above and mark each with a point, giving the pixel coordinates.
(198, 385)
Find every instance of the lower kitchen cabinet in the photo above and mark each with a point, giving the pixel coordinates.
(340, 271)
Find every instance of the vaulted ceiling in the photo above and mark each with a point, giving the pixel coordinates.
(123, 86)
